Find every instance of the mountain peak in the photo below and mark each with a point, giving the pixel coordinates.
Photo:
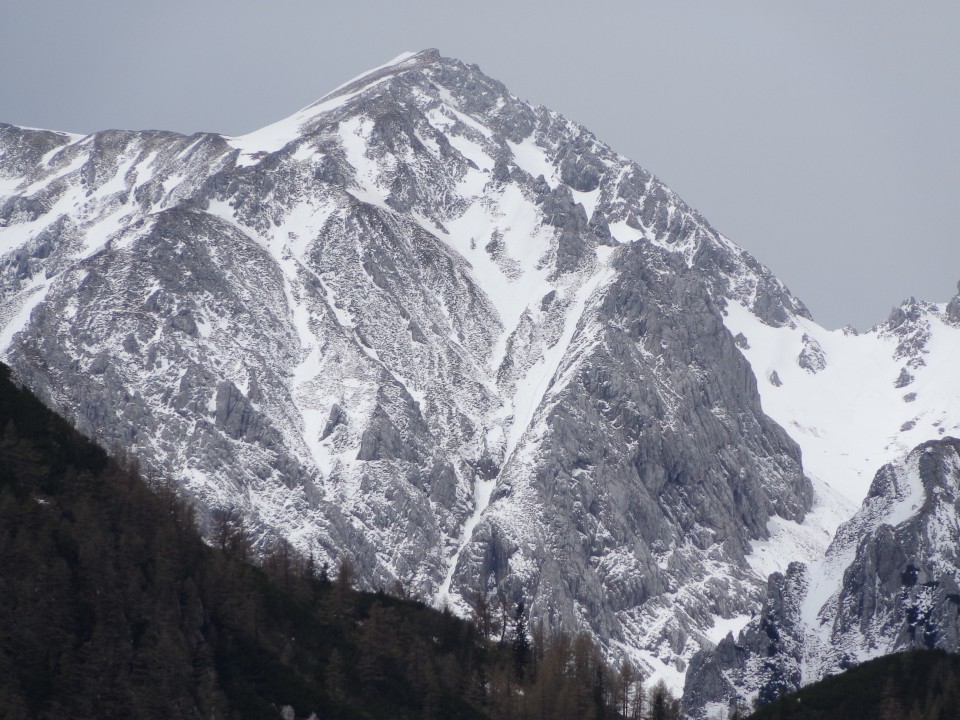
(402, 63)
(258, 143)
(953, 307)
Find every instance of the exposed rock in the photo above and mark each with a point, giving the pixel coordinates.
(812, 358)
(563, 212)
(910, 324)
(184, 322)
(579, 172)
(896, 563)
(337, 417)
(953, 308)
(903, 379)
(767, 657)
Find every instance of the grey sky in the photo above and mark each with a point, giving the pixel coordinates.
(824, 137)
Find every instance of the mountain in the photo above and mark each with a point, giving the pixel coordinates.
(887, 583)
(452, 337)
(112, 606)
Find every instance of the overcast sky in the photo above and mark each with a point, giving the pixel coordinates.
(823, 137)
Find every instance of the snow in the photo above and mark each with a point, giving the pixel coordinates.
(16, 235)
(805, 542)
(531, 158)
(16, 314)
(353, 138)
(272, 138)
(276, 136)
(909, 495)
(117, 183)
(99, 234)
(656, 668)
(482, 490)
(398, 60)
(623, 233)
(72, 137)
(469, 121)
(849, 418)
(9, 185)
(724, 626)
(288, 250)
(529, 394)
(75, 164)
(472, 151)
(589, 200)
(524, 242)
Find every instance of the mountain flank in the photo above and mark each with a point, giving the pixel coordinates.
(111, 605)
(453, 340)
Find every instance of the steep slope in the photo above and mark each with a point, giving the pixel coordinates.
(112, 606)
(853, 402)
(888, 582)
(423, 325)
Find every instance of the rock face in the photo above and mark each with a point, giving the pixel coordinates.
(901, 589)
(888, 583)
(764, 662)
(953, 308)
(910, 325)
(644, 484)
(424, 326)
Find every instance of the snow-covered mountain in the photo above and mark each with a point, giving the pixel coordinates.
(887, 399)
(452, 337)
(889, 581)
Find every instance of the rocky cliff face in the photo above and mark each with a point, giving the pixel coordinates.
(424, 326)
(887, 583)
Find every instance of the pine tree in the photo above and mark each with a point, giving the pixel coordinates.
(663, 706)
(521, 643)
(481, 614)
(891, 708)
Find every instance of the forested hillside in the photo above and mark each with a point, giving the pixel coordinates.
(111, 606)
(917, 685)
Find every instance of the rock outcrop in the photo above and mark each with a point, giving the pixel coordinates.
(888, 583)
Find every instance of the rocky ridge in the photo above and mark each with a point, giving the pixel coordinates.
(888, 582)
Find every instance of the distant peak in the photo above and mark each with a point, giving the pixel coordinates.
(953, 307)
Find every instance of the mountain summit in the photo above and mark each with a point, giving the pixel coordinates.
(444, 334)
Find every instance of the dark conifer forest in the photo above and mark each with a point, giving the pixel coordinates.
(917, 685)
(111, 606)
